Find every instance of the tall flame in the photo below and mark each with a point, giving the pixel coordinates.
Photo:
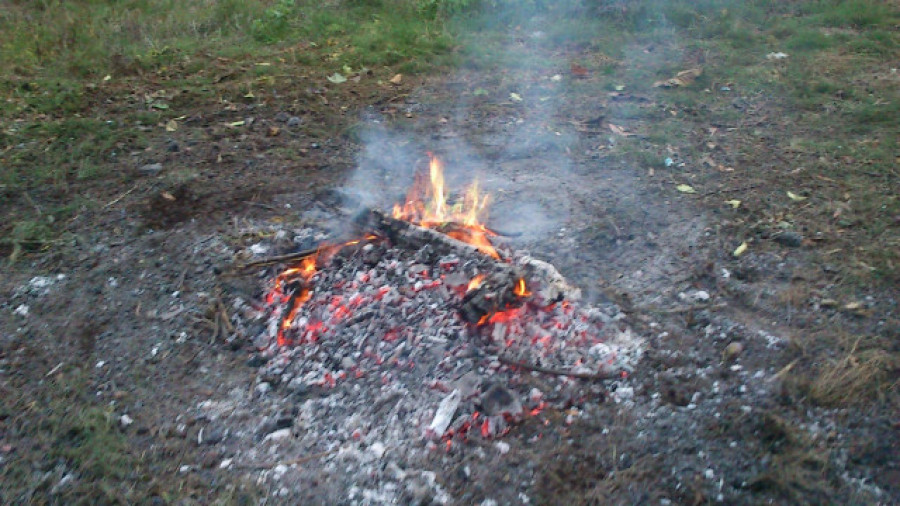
(427, 206)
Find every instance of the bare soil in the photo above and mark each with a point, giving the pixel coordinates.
(130, 328)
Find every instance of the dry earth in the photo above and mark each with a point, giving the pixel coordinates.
(121, 318)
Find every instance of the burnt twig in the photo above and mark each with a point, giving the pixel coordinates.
(558, 372)
(299, 255)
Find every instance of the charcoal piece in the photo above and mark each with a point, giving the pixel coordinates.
(499, 400)
(495, 294)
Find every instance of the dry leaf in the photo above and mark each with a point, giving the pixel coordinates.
(616, 129)
(740, 249)
(734, 203)
(171, 125)
(683, 188)
(337, 78)
(796, 198)
(168, 196)
(273, 131)
(397, 79)
(237, 123)
(515, 97)
(578, 71)
(683, 78)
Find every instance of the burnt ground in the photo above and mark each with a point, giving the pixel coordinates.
(718, 410)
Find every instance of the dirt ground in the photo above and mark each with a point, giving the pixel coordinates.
(117, 331)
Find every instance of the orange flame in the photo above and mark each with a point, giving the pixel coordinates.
(427, 206)
(475, 283)
(521, 290)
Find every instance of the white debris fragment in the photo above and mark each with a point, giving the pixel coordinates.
(502, 447)
(278, 435)
(377, 449)
(184, 469)
(444, 414)
(776, 56)
(225, 464)
(100, 364)
(259, 248)
(22, 310)
(125, 420)
(709, 474)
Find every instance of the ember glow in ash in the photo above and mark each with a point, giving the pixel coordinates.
(420, 321)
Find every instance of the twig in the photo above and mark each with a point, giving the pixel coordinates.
(729, 190)
(58, 367)
(299, 255)
(120, 197)
(683, 309)
(299, 460)
(558, 372)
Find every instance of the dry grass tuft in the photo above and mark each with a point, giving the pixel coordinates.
(860, 376)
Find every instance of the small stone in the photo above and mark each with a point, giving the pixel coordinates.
(282, 117)
(789, 238)
(278, 435)
(210, 436)
(293, 122)
(498, 400)
(172, 147)
(263, 388)
(151, 169)
(732, 351)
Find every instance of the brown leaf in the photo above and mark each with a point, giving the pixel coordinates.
(397, 79)
(578, 71)
(683, 78)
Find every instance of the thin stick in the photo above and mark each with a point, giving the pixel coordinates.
(120, 197)
(299, 460)
(557, 372)
(728, 190)
(299, 255)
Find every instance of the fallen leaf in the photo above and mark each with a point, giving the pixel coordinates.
(853, 306)
(273, 131)
(107, 77)
(683, 78)
(397, 79)
(619, 87)
(515, 97)
(683, 188)
(237, 123)
(337, 78)
(168, 196)
(734, 203)
(171, 125)
(616, 129)
(159, 105)
(776, 56)
(740, 249)
(578, 71)
(250, 94)
(796, 198)
(348, 69)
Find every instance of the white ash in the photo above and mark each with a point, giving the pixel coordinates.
(381, 366)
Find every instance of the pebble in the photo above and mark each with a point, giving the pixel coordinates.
(732, 351)
(263, 388)
(293, 122)
(151, 169)
(790, 239)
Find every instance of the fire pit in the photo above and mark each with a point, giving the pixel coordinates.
(425, 310)
(421, 334)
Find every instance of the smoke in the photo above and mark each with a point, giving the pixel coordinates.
(506, 123)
